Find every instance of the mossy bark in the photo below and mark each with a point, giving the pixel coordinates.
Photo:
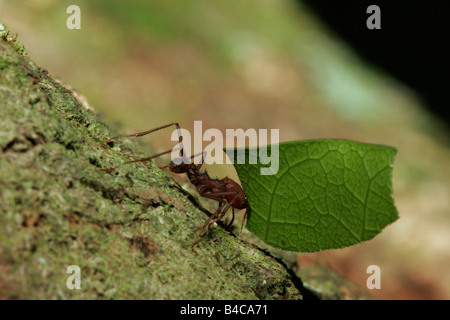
(129, 232)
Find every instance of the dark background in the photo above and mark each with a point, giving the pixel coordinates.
(412, 43)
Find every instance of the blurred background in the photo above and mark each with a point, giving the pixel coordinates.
(266, 64)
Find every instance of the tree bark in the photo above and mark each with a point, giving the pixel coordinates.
(128, 231)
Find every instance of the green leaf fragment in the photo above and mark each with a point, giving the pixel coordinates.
(327, 194)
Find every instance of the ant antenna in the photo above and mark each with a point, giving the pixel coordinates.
(140, 134)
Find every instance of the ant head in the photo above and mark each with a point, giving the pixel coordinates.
(178, 166)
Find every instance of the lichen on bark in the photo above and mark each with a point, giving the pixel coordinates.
(129, 231)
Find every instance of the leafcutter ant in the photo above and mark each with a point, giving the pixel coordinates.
(226, 191)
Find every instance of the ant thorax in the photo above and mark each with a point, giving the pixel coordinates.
(199, 178)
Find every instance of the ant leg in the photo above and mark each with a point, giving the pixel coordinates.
(206, 225)
(222, 213)
(232, 220)
(220, 196)
(213, 196)
(218, 210)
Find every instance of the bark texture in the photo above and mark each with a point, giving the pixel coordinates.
(129, 231)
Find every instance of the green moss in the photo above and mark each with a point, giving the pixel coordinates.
(128, 231)
(6, 35)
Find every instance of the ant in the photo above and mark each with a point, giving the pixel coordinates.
(226, 191)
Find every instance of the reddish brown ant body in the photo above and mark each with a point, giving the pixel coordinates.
(226, 191)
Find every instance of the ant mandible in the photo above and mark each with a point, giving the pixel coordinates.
(226, 191)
